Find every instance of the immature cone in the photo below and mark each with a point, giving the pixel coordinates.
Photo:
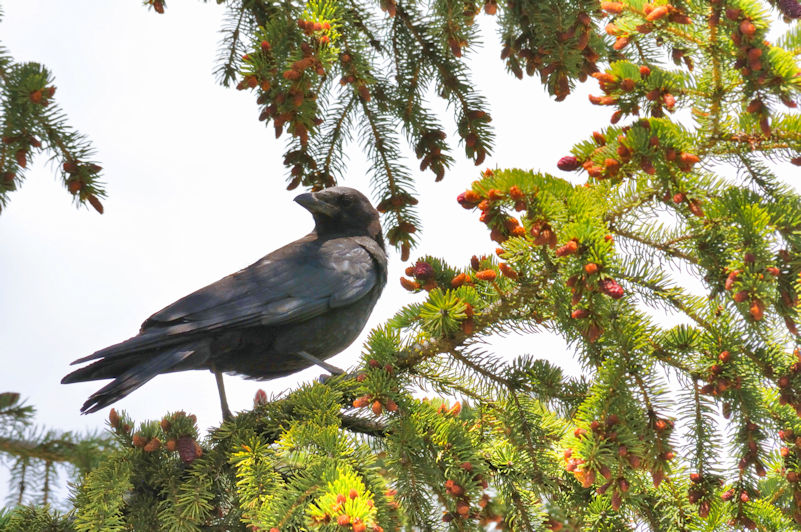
(568, 164)
(507, 271)
(731, 279)
(409, 285)
(188, 449)
(570, 248)
(594, 332)
(423, 270)
(791, 327)
(580, 313)
(114, 418)
(468, 199)
(740, 296)
(95, 203)
(459, 280)
(486, 275)
(260, 398)
(611, 288)
(790, 8)
(657, 13)
(757, 309)
(613, 8)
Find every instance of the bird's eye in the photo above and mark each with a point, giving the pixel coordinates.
(346, 200)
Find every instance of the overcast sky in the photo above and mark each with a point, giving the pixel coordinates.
(196, 191)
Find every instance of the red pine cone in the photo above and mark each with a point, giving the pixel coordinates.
(188, 449)
(611, 288)
(260, 398)
(790, 8)
(568, 163)
(423, 270)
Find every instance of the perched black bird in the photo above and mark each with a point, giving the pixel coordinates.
(298, 306)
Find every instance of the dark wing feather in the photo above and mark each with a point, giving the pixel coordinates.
(294, 283)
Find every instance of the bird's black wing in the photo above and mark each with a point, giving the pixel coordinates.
(294, 283)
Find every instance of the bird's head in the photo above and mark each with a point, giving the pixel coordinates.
(342, 211)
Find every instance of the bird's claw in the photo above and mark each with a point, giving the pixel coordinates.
(325, 377)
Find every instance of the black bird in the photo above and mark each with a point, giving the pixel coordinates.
(296, 307)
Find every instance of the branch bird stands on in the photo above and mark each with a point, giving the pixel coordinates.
(297, 306)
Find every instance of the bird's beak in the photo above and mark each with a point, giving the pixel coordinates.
(312, 203)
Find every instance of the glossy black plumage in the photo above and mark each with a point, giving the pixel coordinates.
(313, 295)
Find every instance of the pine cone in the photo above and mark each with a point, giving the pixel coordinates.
(568, 163)
(790, 8)
(423, 270)
(611, 288)
(188, 449)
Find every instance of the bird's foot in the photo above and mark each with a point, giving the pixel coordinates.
(226, 412)
(325, 365)
(325, 377)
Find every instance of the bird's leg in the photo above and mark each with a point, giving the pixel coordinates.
(325, 365)
(226, 412)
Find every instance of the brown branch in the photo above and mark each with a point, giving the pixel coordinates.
(41, 451)
(660, 246)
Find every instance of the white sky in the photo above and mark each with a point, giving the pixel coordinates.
(196, 191)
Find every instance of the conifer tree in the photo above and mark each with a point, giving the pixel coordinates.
(693, 426)
(31, 123)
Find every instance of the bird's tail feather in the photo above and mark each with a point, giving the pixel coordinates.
(132, 378)
(133, 345)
